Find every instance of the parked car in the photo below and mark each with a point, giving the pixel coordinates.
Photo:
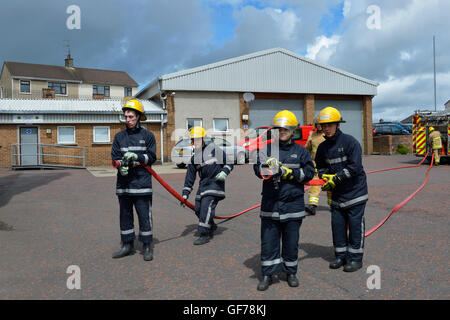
(259, 137)
(389, 129)
(183, 151)
(406, 126)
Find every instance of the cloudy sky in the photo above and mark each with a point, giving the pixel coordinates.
(390, 42)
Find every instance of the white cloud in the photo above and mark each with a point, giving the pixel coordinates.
(405, 56)
(323, 48)
(347, 7)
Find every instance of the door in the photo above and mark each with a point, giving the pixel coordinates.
(262, 111)
(28, 146)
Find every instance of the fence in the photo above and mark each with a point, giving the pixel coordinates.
(39, 155)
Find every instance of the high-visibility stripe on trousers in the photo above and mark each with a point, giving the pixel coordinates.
(351, 247)
(205, 209)
(274, 260)
(143, 206)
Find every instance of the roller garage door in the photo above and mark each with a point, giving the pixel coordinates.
(262, 111)
(351, 111)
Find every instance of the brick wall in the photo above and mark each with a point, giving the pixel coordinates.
(97, 154)
(387, 145)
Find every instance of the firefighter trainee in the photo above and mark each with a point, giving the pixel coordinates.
(210, 163)
(339, 162)
(282, 205)
(134, 183)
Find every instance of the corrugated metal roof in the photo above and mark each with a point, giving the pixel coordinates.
(71, 106)
(273, 70)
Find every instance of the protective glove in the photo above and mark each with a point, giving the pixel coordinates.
(130, 156)
(286, 173)
(221, 176)
(331, 180)
(123, 171)
(272, 163)
(183, 204)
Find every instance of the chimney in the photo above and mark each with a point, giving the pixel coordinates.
(68, 61)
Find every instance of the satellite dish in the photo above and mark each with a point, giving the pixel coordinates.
(248, 96)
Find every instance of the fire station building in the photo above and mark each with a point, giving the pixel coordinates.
(216, 96)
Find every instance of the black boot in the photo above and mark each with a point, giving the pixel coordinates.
(127, 249)
(147, 252)
(204, 238)
(311, 209)
(339, 262)
(352, 266)
(292, 280)
(264, 283)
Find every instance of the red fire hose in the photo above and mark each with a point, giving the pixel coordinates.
(314, 182)
(401, 204)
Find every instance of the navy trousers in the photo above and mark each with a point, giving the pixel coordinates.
(205, 209)
(272, 232)
(349, 247)
(143, 206)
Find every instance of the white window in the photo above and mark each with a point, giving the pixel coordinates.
(66, 135)
(220, 125)
(25, 86)
(194, 123)
(101, 134)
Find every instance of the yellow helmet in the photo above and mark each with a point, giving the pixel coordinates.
(330, 115)
(285, 119)
(430, 129)
(135, 104)
(197, 132)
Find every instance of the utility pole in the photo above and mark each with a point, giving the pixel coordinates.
(434, 64)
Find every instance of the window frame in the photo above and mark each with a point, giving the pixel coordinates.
(125, 92)
(101, 127)
(228, 125)
(29, 86)
(74, 135)
(95, 90)
(58, 83)
(187, 122)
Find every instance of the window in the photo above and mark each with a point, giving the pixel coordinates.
(221, 125)
(101, 134)
(193, 123)
(127, 92)
(221, 142)
(60, 88)
(24, 86)
(66, 135)
(104, 90)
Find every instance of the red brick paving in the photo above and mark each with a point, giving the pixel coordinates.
(69, 217)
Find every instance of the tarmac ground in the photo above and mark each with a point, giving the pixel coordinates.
(53, 219)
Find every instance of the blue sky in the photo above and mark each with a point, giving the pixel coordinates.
(150, 38)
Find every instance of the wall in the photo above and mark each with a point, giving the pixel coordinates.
(207, 106)
(387, 144)
(97, 154)
(36, 87)
(5, 82)
(85, 91)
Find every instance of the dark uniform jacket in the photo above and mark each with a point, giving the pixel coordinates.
(138, 182)
(208, 164)
(342, 155)
(287, 202)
